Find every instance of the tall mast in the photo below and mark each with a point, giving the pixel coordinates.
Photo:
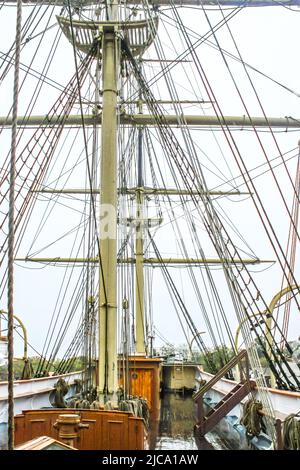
(139, 248)
(138, 36)
(107, 379)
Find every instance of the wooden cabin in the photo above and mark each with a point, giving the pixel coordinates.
(100, 429)
(96, 429)
(144, 379)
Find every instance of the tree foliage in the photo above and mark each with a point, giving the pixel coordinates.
(77, 365)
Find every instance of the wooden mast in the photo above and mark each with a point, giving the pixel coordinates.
(139, 248)
(107, 373)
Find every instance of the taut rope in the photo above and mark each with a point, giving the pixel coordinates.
(11, 232)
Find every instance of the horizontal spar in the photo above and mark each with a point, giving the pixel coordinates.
(149, 261)
(217, 3)
(212, 121)
(146, 191)
(149, 120)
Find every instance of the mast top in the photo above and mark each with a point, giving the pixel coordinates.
(139, 34)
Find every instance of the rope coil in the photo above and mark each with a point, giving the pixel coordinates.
(291, 432)
(251, 419)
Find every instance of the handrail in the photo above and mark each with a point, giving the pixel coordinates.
(233, 362)
(25, 355)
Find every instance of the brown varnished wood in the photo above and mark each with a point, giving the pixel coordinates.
(110, 430)
(42, 443)
(136, 434)
(144, 379)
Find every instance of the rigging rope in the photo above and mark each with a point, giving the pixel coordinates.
(202, 73)
(11, 235)
(291, 252)
(213, 226)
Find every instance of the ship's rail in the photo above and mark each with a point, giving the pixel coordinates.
(284, 402)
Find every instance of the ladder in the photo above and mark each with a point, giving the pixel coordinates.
(206, 422)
